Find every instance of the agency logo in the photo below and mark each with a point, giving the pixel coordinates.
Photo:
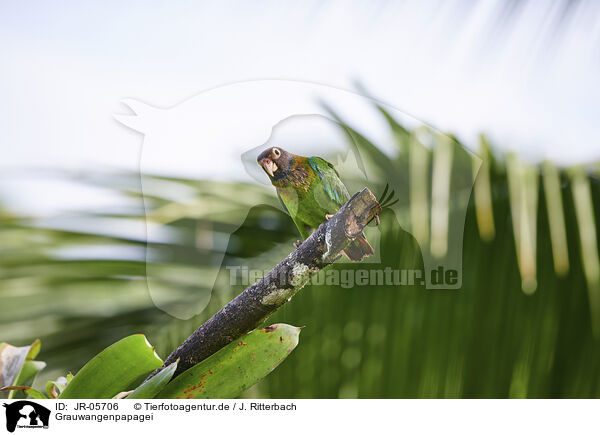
(24, 414)
(217, 136)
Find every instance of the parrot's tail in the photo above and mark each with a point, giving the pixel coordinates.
(359, 249)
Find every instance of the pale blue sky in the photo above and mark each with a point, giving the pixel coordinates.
(530, 77)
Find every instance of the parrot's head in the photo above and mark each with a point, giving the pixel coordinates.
(276, 162)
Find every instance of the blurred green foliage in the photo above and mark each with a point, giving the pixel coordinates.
(489, 339)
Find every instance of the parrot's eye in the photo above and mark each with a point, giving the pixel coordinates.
(276, 152)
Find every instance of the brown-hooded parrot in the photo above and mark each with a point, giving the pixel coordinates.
(310, 190)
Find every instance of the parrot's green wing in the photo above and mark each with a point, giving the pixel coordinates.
(282, 203)
(301, 227)
(332, 184)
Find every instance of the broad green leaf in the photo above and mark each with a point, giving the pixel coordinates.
(29, 369)
(34, 349)
(236, 367)
(151, 388)
(11, 362)
(35, 393)
(30, 391)
(28, 372)
(113, 370)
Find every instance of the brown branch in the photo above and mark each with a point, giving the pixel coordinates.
(247, 310)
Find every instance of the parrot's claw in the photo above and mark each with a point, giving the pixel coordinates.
(297, 243)
(328, 216)
(377, 222)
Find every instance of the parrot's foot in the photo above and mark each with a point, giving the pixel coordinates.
(377, 222)
(328, 216)
(297, 243)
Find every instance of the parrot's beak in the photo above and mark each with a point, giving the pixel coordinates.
(268, 165)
